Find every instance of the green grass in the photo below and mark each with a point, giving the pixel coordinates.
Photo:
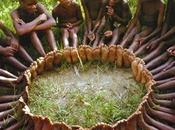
(110, 95)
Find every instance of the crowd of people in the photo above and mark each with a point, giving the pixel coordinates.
(149, 34)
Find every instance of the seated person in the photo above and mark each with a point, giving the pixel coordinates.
(166, 39)
(9, 46)
(146, 22)
(68, 17)
(32, 22)
(117, 17)
(94, 12)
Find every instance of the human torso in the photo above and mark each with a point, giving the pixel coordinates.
(67, 14)
(93, 7)
(149, 13)
(171, 13)
(28, 17)
(118, 10)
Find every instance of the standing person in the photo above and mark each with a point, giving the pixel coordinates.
(32, 22)
(68, 16)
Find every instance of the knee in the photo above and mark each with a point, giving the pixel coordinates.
(73, 35)
(64, 34)
(115, 32)
(48, 31)
(137, 37)
(33, 35)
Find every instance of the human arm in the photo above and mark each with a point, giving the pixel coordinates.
(7, 51)
(79, 19)
(47, 23)
(7, 74)
(23, 28)
(7, 80)
(126, 14)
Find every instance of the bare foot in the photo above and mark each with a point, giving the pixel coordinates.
(57, 57)
(104, 53)
(97, 53)
(89, 53)
(74, 55)
(67, 54)
(49, 58)
(112, 53)
(82, 52)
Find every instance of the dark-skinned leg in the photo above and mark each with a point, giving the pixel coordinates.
(142, 50)
(97, 38)
(97, 33)
(74, 37)
(157, 61)
(85, 38)
(135, 45)
(7, 74)
(115, 37)
(102, 41)
(162, 47)
(65, 35)
(117, 34)
(51, 39)
(159, 82)
(22, 52)
(165, 74)
(162, 67)
(37, 43)
(13, 61)
(127, 41)
(154, 53)
(170, 65)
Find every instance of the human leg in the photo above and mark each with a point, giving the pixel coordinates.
(135, 44)
(37, 43)
(65, 35)
(126, 41)
(51, 39)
